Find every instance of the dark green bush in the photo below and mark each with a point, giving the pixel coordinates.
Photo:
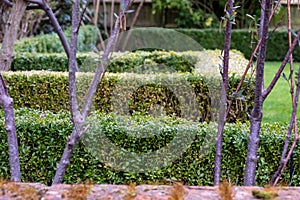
(50, 43)
(49, 61)
(241, 40)
(186, 95)
(42, 136)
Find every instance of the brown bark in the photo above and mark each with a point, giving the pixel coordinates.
(6, 57)
(11, 34)
(42, 4)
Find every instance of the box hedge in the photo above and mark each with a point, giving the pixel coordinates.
(42, 136)
(181, 94)
(241, 40)
(50, 43)
(121, 62)
(137, 62)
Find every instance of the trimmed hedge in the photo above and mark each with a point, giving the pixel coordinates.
(137, 62)
(240, 40)
(50, 61)
(42, 137)
(207, 38)
(50, 43)
(127, 62)
(186, 95)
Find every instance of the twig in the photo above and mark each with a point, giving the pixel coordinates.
(250, 61)
(293, 122)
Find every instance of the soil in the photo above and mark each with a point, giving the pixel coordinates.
(34, 191)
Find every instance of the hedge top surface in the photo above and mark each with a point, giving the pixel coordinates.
(205, 62)
(42, 137)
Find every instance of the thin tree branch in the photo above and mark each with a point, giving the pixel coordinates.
(105, 19)
(75, 113)
(81, 17)
(29, 7)
(49, 12)
(11, 34)
(293, 122)
(10, 126)
(250, 61)
(9, 3)
(80, 118)
(256, 114)
(96, 14)
(281, 68)
(101, 69)
(54, 22)
(6, 56)
(223, 102)
(112, 10)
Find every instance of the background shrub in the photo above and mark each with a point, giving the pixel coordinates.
(42, 136)
(128, 93)
(50, 43)
(241, 40)
(50, 61)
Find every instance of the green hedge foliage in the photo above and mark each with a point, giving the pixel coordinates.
(42, 136)
(241, 40)
(50, 43)
(174, 94)
(50, 61)
(127, 62)
(207, 38)
(137, 62)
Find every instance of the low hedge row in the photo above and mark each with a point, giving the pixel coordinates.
(137, 62)
(42, 136)
(214, 39)
(50, 43)
(241, 40)
(185, 95)
(50, 61)
(207, 38)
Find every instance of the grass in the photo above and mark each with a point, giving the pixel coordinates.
(277, 106)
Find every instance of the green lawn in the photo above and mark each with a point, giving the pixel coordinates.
(277, 106)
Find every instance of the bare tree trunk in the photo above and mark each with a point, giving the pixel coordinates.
(10, 127)
(223, 103)
(11, 34)
(78, 117)
(6, 57)
(42, 4)
(256, 114)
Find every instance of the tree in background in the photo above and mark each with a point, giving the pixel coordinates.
(78, 116)
(207, 13)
